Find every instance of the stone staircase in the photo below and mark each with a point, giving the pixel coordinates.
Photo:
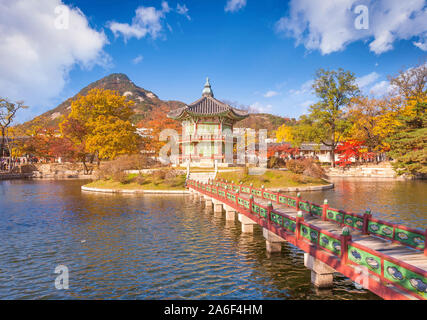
(202, 176)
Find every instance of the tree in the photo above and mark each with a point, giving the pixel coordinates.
(157, 122)
(373, 120)
(8, 112)
(99, 126)
(284, 134)
(326, 122)
(408, 144)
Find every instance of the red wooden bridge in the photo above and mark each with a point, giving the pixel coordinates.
(388, 259)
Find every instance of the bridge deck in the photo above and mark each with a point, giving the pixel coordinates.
(411, 256)
(395, 267)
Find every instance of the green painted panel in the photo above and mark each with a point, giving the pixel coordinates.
(245, 190)
(330, 243)
(411, 238)
(292, 202)
(221, 193)
(364, 258)
(354, 222)
(380, 229)
(277, 219)
(317, 210)
(334, 215)
(304, 206)
(309, 233)
(406, 278)
(283, 199)
(263, 212)
(246, 204)
(240, 201)
(289, 224)
(255, 208)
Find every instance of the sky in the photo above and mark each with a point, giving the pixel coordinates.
(260, 54)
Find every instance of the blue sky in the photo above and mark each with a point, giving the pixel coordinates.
(261, 54)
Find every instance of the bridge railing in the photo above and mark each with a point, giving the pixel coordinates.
(391, 270)
(365, 223)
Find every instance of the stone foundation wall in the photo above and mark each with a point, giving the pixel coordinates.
(382, 170)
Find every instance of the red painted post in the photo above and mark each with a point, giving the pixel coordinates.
(299, 219)
(262, 192)
(425, 242)
(298, 199)
(251, 202)
(250, 188)
(325, 209)
(345, 239)
(277, 197)
(366, 217)
(269, 209)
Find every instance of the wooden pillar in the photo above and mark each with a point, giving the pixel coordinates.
(297, 201)
(325, 209)
(345, 239)
(366, 217)
(299, 219)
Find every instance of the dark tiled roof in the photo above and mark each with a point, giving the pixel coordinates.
(207, 106)
(314, 147)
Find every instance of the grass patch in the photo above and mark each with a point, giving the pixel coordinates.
(272, 179)
(154, 181)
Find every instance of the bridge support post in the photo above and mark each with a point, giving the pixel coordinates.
(273, 242)
(208, 202)
(322, 275)
(217, 205)
(247, 224)
(230, 213)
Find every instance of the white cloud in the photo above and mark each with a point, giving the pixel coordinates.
(270, 94)
(137, 59)
(183, 10)
(306, 104)
(305, 88)
(234, 5)
(329, 25)
(381, 88)
(37, 52)
(147, 21)
(367, 80)
(260, 108)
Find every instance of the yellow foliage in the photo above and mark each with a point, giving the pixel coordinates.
(284, 133)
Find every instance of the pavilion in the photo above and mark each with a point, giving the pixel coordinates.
(205, 124)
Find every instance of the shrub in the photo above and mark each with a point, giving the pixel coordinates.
(306, 167)
(122, 177)
(140, 179)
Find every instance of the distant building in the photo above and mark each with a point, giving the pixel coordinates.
(315, 150)
(204, 125)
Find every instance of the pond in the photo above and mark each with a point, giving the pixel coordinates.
(165, 247)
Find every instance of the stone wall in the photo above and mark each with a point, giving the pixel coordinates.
(381, 170)
(60, 171)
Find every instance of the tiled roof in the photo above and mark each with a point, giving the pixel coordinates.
(207, 106)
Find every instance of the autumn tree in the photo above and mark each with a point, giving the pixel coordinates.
(372, 122)
(8, 112)
(156, 122)
(408, 143)
(99, 126)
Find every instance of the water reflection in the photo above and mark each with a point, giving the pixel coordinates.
(157, 247)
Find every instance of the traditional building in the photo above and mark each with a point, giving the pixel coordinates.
(205, 123)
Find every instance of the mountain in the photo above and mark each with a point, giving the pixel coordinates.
(145, 101)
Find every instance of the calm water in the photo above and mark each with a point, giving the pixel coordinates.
(161, 247)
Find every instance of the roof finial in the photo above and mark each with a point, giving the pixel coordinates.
(207, 90)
